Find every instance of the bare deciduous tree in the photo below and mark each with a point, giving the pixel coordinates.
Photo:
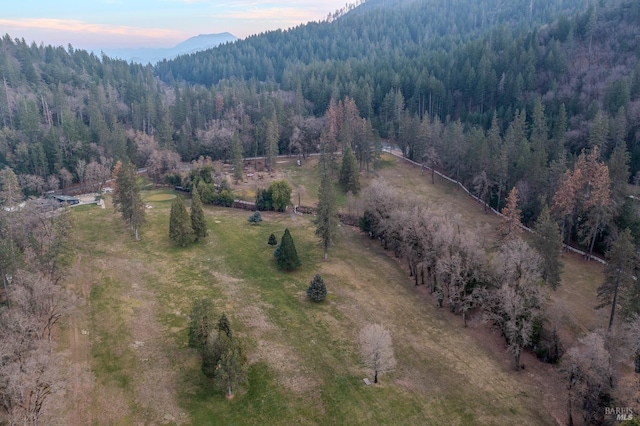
(29, 368)
(462, 273)
(81, 168)
(32, 184)
(516, 304)
(145, 146)
(376, 350)
(66, 177)
(590, 375)
(162, 162)
(380, 201)
(96, 174)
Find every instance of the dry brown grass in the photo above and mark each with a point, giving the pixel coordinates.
(571, 308)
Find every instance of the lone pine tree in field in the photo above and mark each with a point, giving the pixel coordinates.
(376, 350)
(180, 231)
(317, 290)
(272, 240)
(617, 288)
(327, 217)
(349, 178)
(287, 258)
(215, 345)
(198, 222)
(127, 199)
(231, 370)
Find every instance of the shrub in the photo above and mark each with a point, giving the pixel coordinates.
(272, 240)
(280, 194)
(263, 200)
(255, 218)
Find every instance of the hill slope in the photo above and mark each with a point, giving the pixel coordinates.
(305, 366)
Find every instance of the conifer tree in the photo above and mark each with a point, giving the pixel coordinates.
(510, 226)
(548, 243)
(619, 173)
(349, 178)
(200, 323)
(127, 199)
(255, 218)
(10, 191)
(287, 258)
(224, 327)
(231, 369)
(617, 289)
(327, 217)
(558, 140)
(216, 345)
(180, 231)
(272, 142)
(198, 222)
(317, 290)
(272, 240)
(237, 157)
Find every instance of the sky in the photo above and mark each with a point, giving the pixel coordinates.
(90, 24)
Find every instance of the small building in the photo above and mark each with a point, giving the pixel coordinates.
(65, 199)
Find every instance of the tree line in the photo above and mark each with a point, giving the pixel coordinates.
(36, 250)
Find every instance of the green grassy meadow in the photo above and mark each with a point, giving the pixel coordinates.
(304, 364)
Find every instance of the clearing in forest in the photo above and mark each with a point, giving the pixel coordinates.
(304, 357)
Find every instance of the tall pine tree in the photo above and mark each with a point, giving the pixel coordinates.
(180, 231)
(510, 226)
(198, 222)
(237, 157)
(327, 217)
(349, 178)
(127, 199)
(548, 243)
(617, 289)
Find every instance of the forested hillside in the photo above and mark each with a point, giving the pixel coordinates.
(507, 93)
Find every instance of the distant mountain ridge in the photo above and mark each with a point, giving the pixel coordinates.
(145, 55)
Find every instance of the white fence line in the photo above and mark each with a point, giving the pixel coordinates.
(567, 247)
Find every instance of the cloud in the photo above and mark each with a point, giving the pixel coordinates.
(74, 26)
(283, 14)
